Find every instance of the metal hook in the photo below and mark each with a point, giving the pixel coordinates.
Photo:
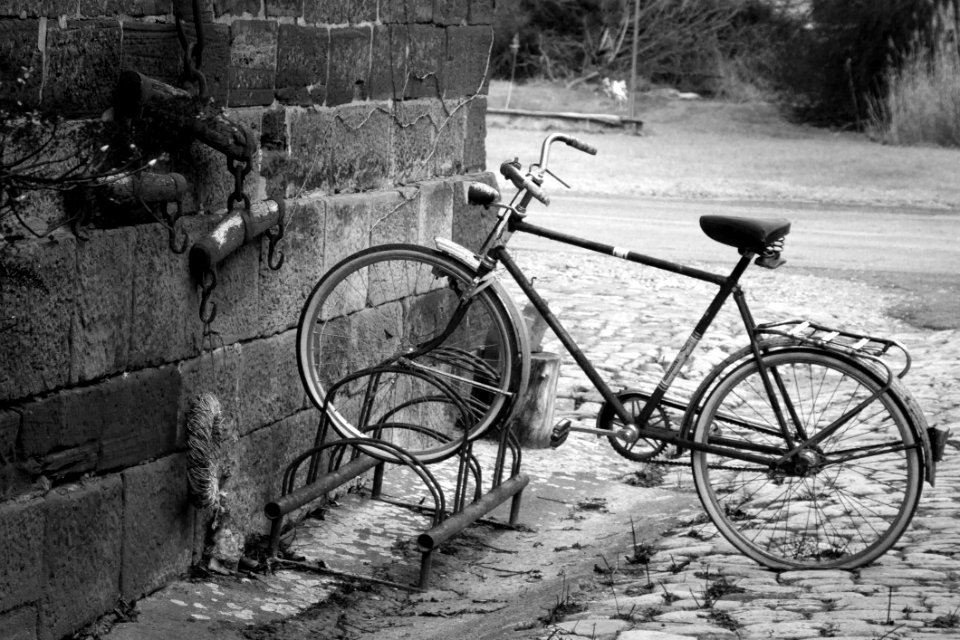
(208, 309)
(175, 228)
(275, 237)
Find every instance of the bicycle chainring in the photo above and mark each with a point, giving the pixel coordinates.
(644, 449)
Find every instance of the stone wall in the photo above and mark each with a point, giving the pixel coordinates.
(370, 120)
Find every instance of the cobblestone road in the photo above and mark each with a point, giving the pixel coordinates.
(633, 319)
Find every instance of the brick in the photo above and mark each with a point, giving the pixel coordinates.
(39, 8)
(18, 49)
(339, 11)
(450, 11)
(349, 69)
(311, 151)
(82, 546)
(138, 414)
(253, 62)
(475, 136)
(152, 49)
(165, 300)
(302, 64)
(134, 8)
(157, 525)
(270, 388)
(435, 211)
(466, 69)
(406, 11)
(481, 12)
(216, 372)
(82, 64)
(471, 223)
(19, 624)
(102, 316)
(362, 156)
(263, 457)
(284, 292)
(395, 216)
(37, 294)
(348, 227)
(21, 564)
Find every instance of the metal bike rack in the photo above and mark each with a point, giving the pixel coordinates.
(450, 515)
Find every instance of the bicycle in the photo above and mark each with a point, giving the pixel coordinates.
(805, 447)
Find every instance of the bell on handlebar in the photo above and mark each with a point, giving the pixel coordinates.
(482, 194)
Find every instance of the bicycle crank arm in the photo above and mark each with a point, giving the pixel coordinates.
(563, 429)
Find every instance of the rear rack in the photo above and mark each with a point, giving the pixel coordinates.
(855, 344)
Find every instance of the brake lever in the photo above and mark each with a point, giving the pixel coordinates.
(557, 178)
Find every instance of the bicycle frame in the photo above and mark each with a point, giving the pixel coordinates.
(495, 251)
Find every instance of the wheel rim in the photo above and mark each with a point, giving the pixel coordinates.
(376, 309)
(840, 503)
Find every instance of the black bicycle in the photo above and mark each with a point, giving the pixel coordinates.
(806, 449)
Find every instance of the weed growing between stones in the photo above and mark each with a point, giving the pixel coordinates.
(830, 630)
(946, 621)
(564, 606)
(642, 552)
(724, 620)
(716, 587)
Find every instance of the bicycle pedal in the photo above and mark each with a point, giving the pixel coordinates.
(560, 433)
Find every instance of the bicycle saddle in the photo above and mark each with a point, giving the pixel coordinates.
(746, 234)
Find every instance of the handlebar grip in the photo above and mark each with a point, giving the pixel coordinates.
(513, 174)
(581, 146)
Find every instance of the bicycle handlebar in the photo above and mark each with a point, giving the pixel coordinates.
(514, 175)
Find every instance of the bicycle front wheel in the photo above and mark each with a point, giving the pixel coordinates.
(852, 485)
(391, 330)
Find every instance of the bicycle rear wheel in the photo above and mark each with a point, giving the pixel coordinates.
(841, 501)
(393, 321)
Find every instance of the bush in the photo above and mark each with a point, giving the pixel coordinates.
(922, 102)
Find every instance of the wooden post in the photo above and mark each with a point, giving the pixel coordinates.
(633, 63)
(533, 418)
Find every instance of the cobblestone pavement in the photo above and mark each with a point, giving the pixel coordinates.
(632, 319)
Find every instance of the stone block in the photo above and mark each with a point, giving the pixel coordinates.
(450, 12)
(216, 372)
(216, 56)
(284, 292)
(102, 315)
(424, 48)
(9, 429)
(81, 66)
(37, 294)
(347, 227)
(38, 8)
(253, 62)
(21, 564)
(450, 120)
(283, 8)
(139, 416)
(133, 8)
(471, 223)
(436, 212)
(157, 525)
(386, 69)
(339, 11)
(82, 547)
(152, 49)
(466, 70)
(165, 300)
(270, 388)
(475, 136)
(349, 68)
(406, 11)
(237, 7)
(395, 216)
(18, 50)
(302, 56)
(361, 151)
(481, 12)
(19, 624)
(311, 149)
(415, 136)
(58, 422)
(264, 455)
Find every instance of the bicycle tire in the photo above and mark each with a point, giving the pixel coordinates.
(374, 309)
(863, 485)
